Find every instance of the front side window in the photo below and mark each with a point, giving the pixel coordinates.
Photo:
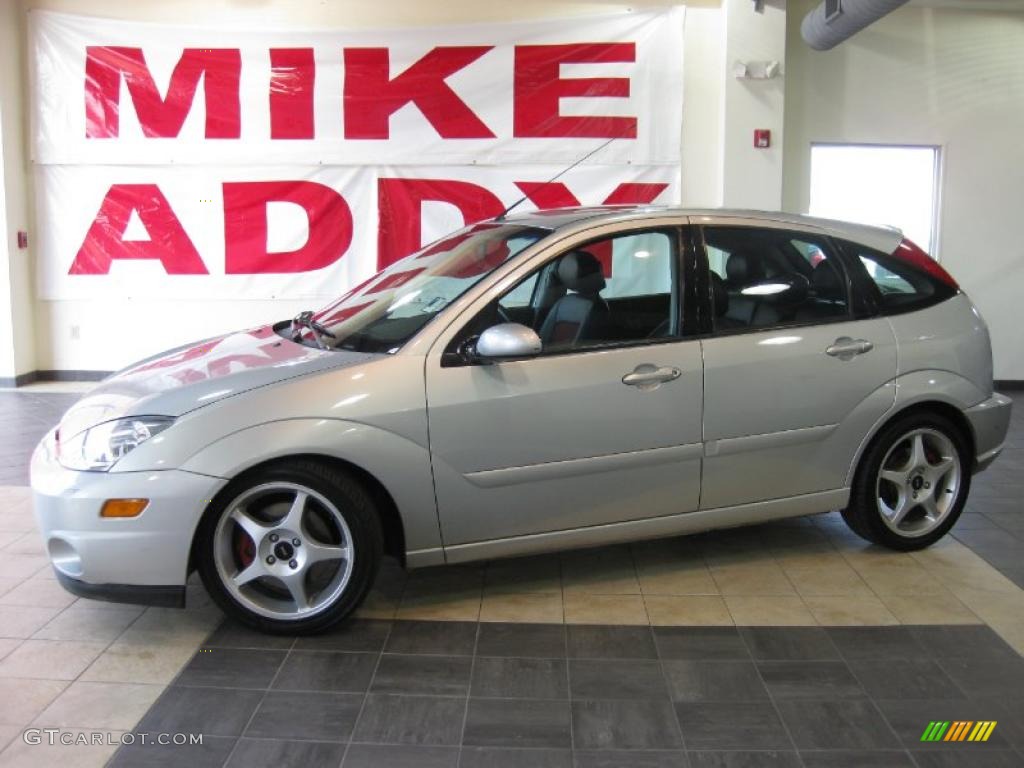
(765, 278)
(612, 291)
(384, 312)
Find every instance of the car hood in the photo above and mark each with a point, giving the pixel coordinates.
(180, 380)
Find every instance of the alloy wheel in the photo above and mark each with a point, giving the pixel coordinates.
(918, 482)
(283, 550)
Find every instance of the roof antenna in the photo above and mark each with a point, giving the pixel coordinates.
(503, 214)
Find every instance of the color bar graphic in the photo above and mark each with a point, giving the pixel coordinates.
(958, 730)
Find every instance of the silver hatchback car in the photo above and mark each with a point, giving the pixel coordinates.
(543, 381)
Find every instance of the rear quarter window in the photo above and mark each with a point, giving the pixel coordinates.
(896, 285)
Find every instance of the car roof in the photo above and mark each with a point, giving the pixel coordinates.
(881, 238)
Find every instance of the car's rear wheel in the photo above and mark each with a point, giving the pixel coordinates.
(911, 484)
(292, 548)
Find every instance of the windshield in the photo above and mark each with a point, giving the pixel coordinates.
(387, 310)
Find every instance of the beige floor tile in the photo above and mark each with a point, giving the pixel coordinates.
(107, 706)
(87, 754)
(19, 522)
(50, 659)
(929, 609)
(900, 579)
(22, 700)
(687, 610)
(42, 594)
(23, 621)
(30, 543)
(768, 610)
(448, 606)
(542, 574)
(8, 733)
(8, 644)
(124, 663)
(6, 585)
(824, 580)
(752, 579)
(174, 620)
(948, 552)
(91, 622)
(526, 607)
(605, 609)
(9, 537)
(682, 575)
(992, 607)
(17, 566)
(603, 571)
(850, 610)
(1012, 631)
(983, 578)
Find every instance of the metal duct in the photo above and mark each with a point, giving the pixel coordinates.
(821, 34)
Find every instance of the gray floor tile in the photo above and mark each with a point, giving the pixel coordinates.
(275, 753)
(809, 680)
(857, 759)
(445, 638)
(624, 725)
(494, 757)
(789, 643)
(700, 643)
(616, 679)
(763, 759)
(231, 668)
(517, 723)
(631, 759)
(986, 678)
(533, 640)
(212, 711)
(210, 754)
(434, 675)
(515, 678)
(883, 643)
(306, 716)
(731, 726)
(849, 724)
(904, 679)
(973, 759)
(961, 642)
(338, 672)
(231, 634)
(388, 719)
(391, 756)
(357, 635)
(714, 681)
(591, 642)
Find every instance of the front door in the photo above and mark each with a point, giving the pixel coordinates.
(603, 426)
(793, 379)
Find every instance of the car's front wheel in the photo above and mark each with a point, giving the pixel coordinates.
(911, 484)
(291, 548)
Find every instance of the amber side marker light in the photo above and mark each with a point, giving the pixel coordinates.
(123, 507)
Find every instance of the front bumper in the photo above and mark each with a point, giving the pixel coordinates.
(144, 557)
(990, 421)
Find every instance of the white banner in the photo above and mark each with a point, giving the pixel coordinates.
(191, 162)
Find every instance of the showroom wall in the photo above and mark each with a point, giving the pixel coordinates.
(947, 77)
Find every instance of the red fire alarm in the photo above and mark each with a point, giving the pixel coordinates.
(23, 240)
(762, 138)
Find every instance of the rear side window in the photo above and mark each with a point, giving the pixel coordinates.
(905, 280)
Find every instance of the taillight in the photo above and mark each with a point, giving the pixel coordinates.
(909, 253)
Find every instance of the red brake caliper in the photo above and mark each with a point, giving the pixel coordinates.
(245, 548)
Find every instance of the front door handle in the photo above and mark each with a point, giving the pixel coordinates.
(846, 348)
(649, 376)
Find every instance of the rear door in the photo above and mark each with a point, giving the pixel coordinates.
(794, 378)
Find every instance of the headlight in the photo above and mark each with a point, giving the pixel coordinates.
(99, 447)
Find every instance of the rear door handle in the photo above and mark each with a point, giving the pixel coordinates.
(648, 376)
(846, 348)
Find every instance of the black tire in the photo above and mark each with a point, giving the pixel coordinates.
(863, 515)
(360, 515)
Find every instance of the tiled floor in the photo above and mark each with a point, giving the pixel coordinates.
(840, 646)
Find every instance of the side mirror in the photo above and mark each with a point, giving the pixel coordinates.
(507, 341)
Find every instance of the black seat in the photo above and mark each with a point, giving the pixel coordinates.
(827, 292)
(581, 315)
(720, 303)
(742, 270)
